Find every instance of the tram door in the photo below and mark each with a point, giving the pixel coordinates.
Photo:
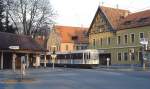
(103, 58)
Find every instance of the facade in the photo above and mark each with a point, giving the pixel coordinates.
(67, 38)
(117, 34)
(18, 49)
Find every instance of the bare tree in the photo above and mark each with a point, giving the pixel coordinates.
(30, 14)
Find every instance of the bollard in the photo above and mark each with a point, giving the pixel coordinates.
(108, 59)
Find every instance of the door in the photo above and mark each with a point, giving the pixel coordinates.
(103, 59)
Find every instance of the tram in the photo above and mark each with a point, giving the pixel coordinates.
(80, 58)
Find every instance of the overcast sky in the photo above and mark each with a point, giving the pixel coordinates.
(81, 12)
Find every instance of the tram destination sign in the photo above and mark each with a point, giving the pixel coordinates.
(14, 47)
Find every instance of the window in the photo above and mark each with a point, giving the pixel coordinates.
(108, 40)
(74, 38)
(119, 56)
(94, 43)
(125, 39)
(98, 28)
(127, 22)
(132, 38)
(141, 35)
(142, 20)
(140, 57)
(83, 47)
(119, 39)
(125, 56)
(101, 41)
(132, 57)
(66, 47)
(77, 47)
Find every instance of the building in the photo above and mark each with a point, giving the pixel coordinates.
(16, 49)
(117, 34)
(67, 38)
(40, 40)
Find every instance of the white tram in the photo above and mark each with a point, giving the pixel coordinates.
(79, 59)
(89, 56)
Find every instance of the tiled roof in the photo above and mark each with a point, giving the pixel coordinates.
(70, 34)
(114, 15)
(137, 19)
(121, 19)
(24, 42)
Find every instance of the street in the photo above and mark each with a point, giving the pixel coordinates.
(60, 78)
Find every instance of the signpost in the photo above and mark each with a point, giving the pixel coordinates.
(23, 65)
(53, 55)
(14, 47)
(144, 43)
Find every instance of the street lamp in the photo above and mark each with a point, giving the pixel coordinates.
(144, 43)
(23, 65)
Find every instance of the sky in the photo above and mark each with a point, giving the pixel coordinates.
(81, 12)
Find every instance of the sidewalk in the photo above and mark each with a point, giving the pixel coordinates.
(8, 76)
(123, 68)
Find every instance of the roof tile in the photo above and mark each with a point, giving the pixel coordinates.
(72, 34)
(114, 15)
(137, 19)
(24, 42)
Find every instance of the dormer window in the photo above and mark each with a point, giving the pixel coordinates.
(74, 37)
(143, 19)
(127, 22)
(85, 33)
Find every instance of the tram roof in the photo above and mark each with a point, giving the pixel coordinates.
(87, 50)
(78, 51)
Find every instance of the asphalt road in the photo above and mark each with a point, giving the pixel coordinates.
(76, 79)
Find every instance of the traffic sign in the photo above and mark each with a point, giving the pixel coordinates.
(14, 47)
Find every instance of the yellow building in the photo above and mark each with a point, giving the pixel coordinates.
(117, 34)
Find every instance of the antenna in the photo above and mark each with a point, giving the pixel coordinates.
(101, 3)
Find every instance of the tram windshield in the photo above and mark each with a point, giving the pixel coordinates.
(94, 55)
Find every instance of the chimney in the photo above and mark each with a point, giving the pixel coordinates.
(117, 6)
(102, 3)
